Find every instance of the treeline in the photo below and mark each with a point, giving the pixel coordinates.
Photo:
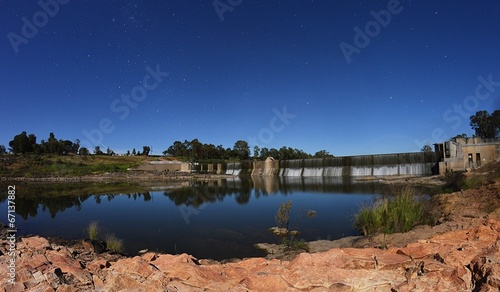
(24, 143)
(194, 150)
(484, 124)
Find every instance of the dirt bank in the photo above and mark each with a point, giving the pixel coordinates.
(131, 176)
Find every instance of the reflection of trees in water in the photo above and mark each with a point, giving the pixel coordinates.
(201, 193)
(28, 206)
(208, 192)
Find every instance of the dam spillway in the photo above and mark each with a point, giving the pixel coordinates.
(413, 163)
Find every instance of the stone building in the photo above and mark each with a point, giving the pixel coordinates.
(462, 154)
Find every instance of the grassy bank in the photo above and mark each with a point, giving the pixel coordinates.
(397, 212)
(31, 165)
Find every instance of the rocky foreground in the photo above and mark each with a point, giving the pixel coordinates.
(462, 260)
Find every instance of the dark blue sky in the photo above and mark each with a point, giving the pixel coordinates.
(269, 72)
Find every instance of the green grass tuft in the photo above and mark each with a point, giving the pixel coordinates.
(93, 230)
(113, 243)
(390, 214)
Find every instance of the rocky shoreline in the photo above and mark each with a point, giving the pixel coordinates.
(462, 260)
(460, 253)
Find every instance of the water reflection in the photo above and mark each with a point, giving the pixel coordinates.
(213, 219)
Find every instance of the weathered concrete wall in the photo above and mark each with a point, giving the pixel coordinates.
(417, 163)
(466, 153)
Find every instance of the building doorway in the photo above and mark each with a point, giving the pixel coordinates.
(478, 159)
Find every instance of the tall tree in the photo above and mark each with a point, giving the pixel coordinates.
(146, 150)
(84, 151)
(97, 151)
(484, 124)
(322, 154)
(3, 150)
(241, 149)
(426, 148)
(256, 151)
(23, 143)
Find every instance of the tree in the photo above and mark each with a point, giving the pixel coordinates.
(459, 136)
(426, 148)
(53, 145)
(110, 152)
(256, 151)
(3, 150)
(274, 153)
(128, 153)
(322, 154)
(241, 149)
(484, 124)
(264, 153)
(178, 149)
(133, 152)
(23, 143)
(84, 151)
(97, 151)
(145, 150)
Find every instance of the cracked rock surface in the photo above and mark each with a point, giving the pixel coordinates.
(461, 260)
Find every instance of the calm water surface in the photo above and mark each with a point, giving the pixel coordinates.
(217, 220)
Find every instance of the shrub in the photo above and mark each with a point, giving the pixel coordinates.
(113, 243)
(283, 215)
(93, 230)
(289, 237)
(292, 243)
(390, 214)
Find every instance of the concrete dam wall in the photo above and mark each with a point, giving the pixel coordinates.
(415, 163)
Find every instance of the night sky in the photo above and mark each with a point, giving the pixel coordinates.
(350, 77)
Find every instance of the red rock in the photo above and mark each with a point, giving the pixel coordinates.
(62, 259)
(456, 261)
(265, 282)
(53, 277)
(96, 266)
(35, 243)
(16, 287)
(135, 266)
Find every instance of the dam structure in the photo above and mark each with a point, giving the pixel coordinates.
(378, 165)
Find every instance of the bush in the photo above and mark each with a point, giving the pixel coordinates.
(113, 243)
(292, 243)
(93, 230)
(390, 214)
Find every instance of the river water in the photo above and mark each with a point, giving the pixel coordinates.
(218, 220)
